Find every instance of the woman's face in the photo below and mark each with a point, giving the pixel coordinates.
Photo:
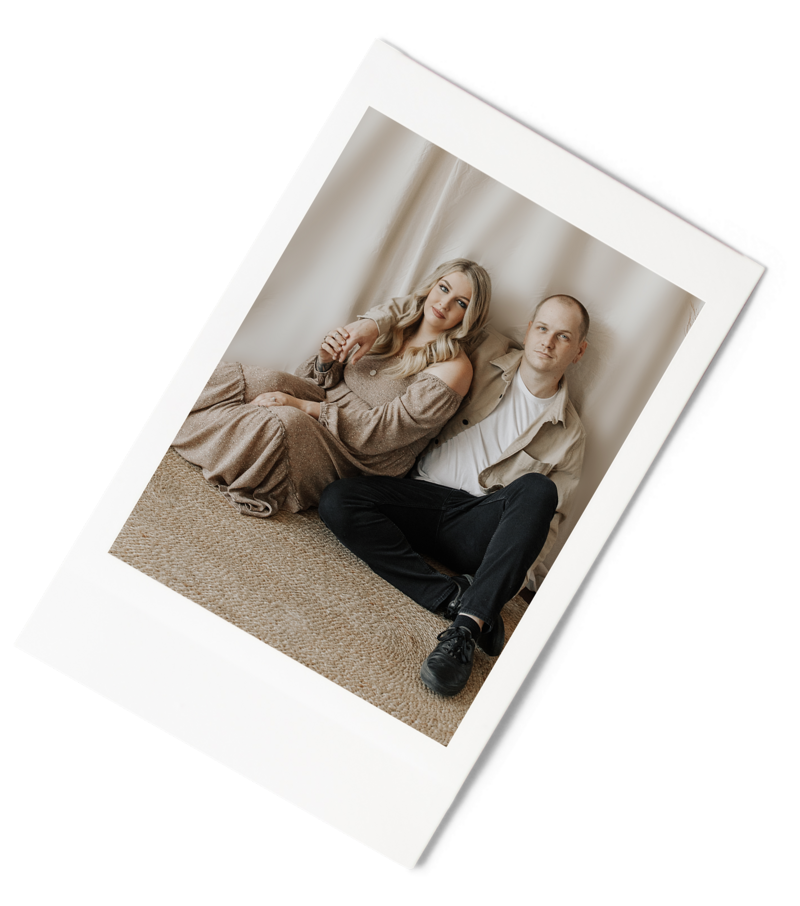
(447, 302)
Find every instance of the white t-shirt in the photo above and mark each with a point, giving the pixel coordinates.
(459, 462)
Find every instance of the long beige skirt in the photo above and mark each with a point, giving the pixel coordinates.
(261, 458)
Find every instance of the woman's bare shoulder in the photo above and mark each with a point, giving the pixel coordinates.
(456, 373)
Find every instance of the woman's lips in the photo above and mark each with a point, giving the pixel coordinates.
(438, 313)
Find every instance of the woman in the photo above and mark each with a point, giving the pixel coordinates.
(271, 440)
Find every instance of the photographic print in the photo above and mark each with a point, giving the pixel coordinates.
(302, 665)
(392, 209)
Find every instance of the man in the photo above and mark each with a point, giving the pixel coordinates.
(487, 495)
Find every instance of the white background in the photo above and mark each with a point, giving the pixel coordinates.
(658, 641)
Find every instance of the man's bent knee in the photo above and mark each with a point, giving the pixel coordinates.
(338, 503)
(331, 502)
(535, 489)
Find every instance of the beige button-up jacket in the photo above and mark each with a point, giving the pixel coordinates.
(553, 445)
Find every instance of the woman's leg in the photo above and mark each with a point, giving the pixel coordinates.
(261, 458)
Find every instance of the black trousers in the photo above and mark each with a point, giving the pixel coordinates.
(387, 522)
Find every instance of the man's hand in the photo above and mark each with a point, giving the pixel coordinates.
(340, 341)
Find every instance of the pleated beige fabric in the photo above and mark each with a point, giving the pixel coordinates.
(266, 458)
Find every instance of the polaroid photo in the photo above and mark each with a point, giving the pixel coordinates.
(239, 613)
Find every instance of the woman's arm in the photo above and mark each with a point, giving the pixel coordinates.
(365, 331)
(427, 404)
(340, 341)
(327, 378)
(326, 367)
(410, 415)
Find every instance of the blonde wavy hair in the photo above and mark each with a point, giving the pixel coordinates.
(450, 342)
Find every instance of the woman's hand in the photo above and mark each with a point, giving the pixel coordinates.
(339, 342)
(276, 398)
(332, 346)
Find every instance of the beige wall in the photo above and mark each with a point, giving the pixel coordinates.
(395, 206)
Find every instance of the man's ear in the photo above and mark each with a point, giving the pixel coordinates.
(527, 331)
(581, 350)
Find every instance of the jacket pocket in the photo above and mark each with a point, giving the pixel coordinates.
(504, 472)
(529, 464)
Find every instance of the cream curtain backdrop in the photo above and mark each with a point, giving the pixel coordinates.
(395, 206)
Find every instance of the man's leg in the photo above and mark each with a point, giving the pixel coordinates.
(385, 522)
(496, 538)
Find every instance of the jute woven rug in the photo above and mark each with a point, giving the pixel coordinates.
(290, 583)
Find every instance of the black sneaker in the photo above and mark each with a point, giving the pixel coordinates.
(447, 668)
(493, 639)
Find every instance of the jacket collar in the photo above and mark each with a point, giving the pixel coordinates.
(509, 364)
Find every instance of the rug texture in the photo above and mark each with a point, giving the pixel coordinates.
(289, 582)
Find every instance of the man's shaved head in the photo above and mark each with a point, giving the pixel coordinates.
(574, 301)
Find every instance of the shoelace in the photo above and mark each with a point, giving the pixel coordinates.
(454, 641)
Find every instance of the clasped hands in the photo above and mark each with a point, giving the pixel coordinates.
(338, 343)
(335, 347)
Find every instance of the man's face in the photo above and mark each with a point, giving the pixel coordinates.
(552, 340)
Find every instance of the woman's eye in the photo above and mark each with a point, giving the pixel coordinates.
(462, 304)
(443, 288)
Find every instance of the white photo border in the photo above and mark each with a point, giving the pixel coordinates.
(344, 760)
